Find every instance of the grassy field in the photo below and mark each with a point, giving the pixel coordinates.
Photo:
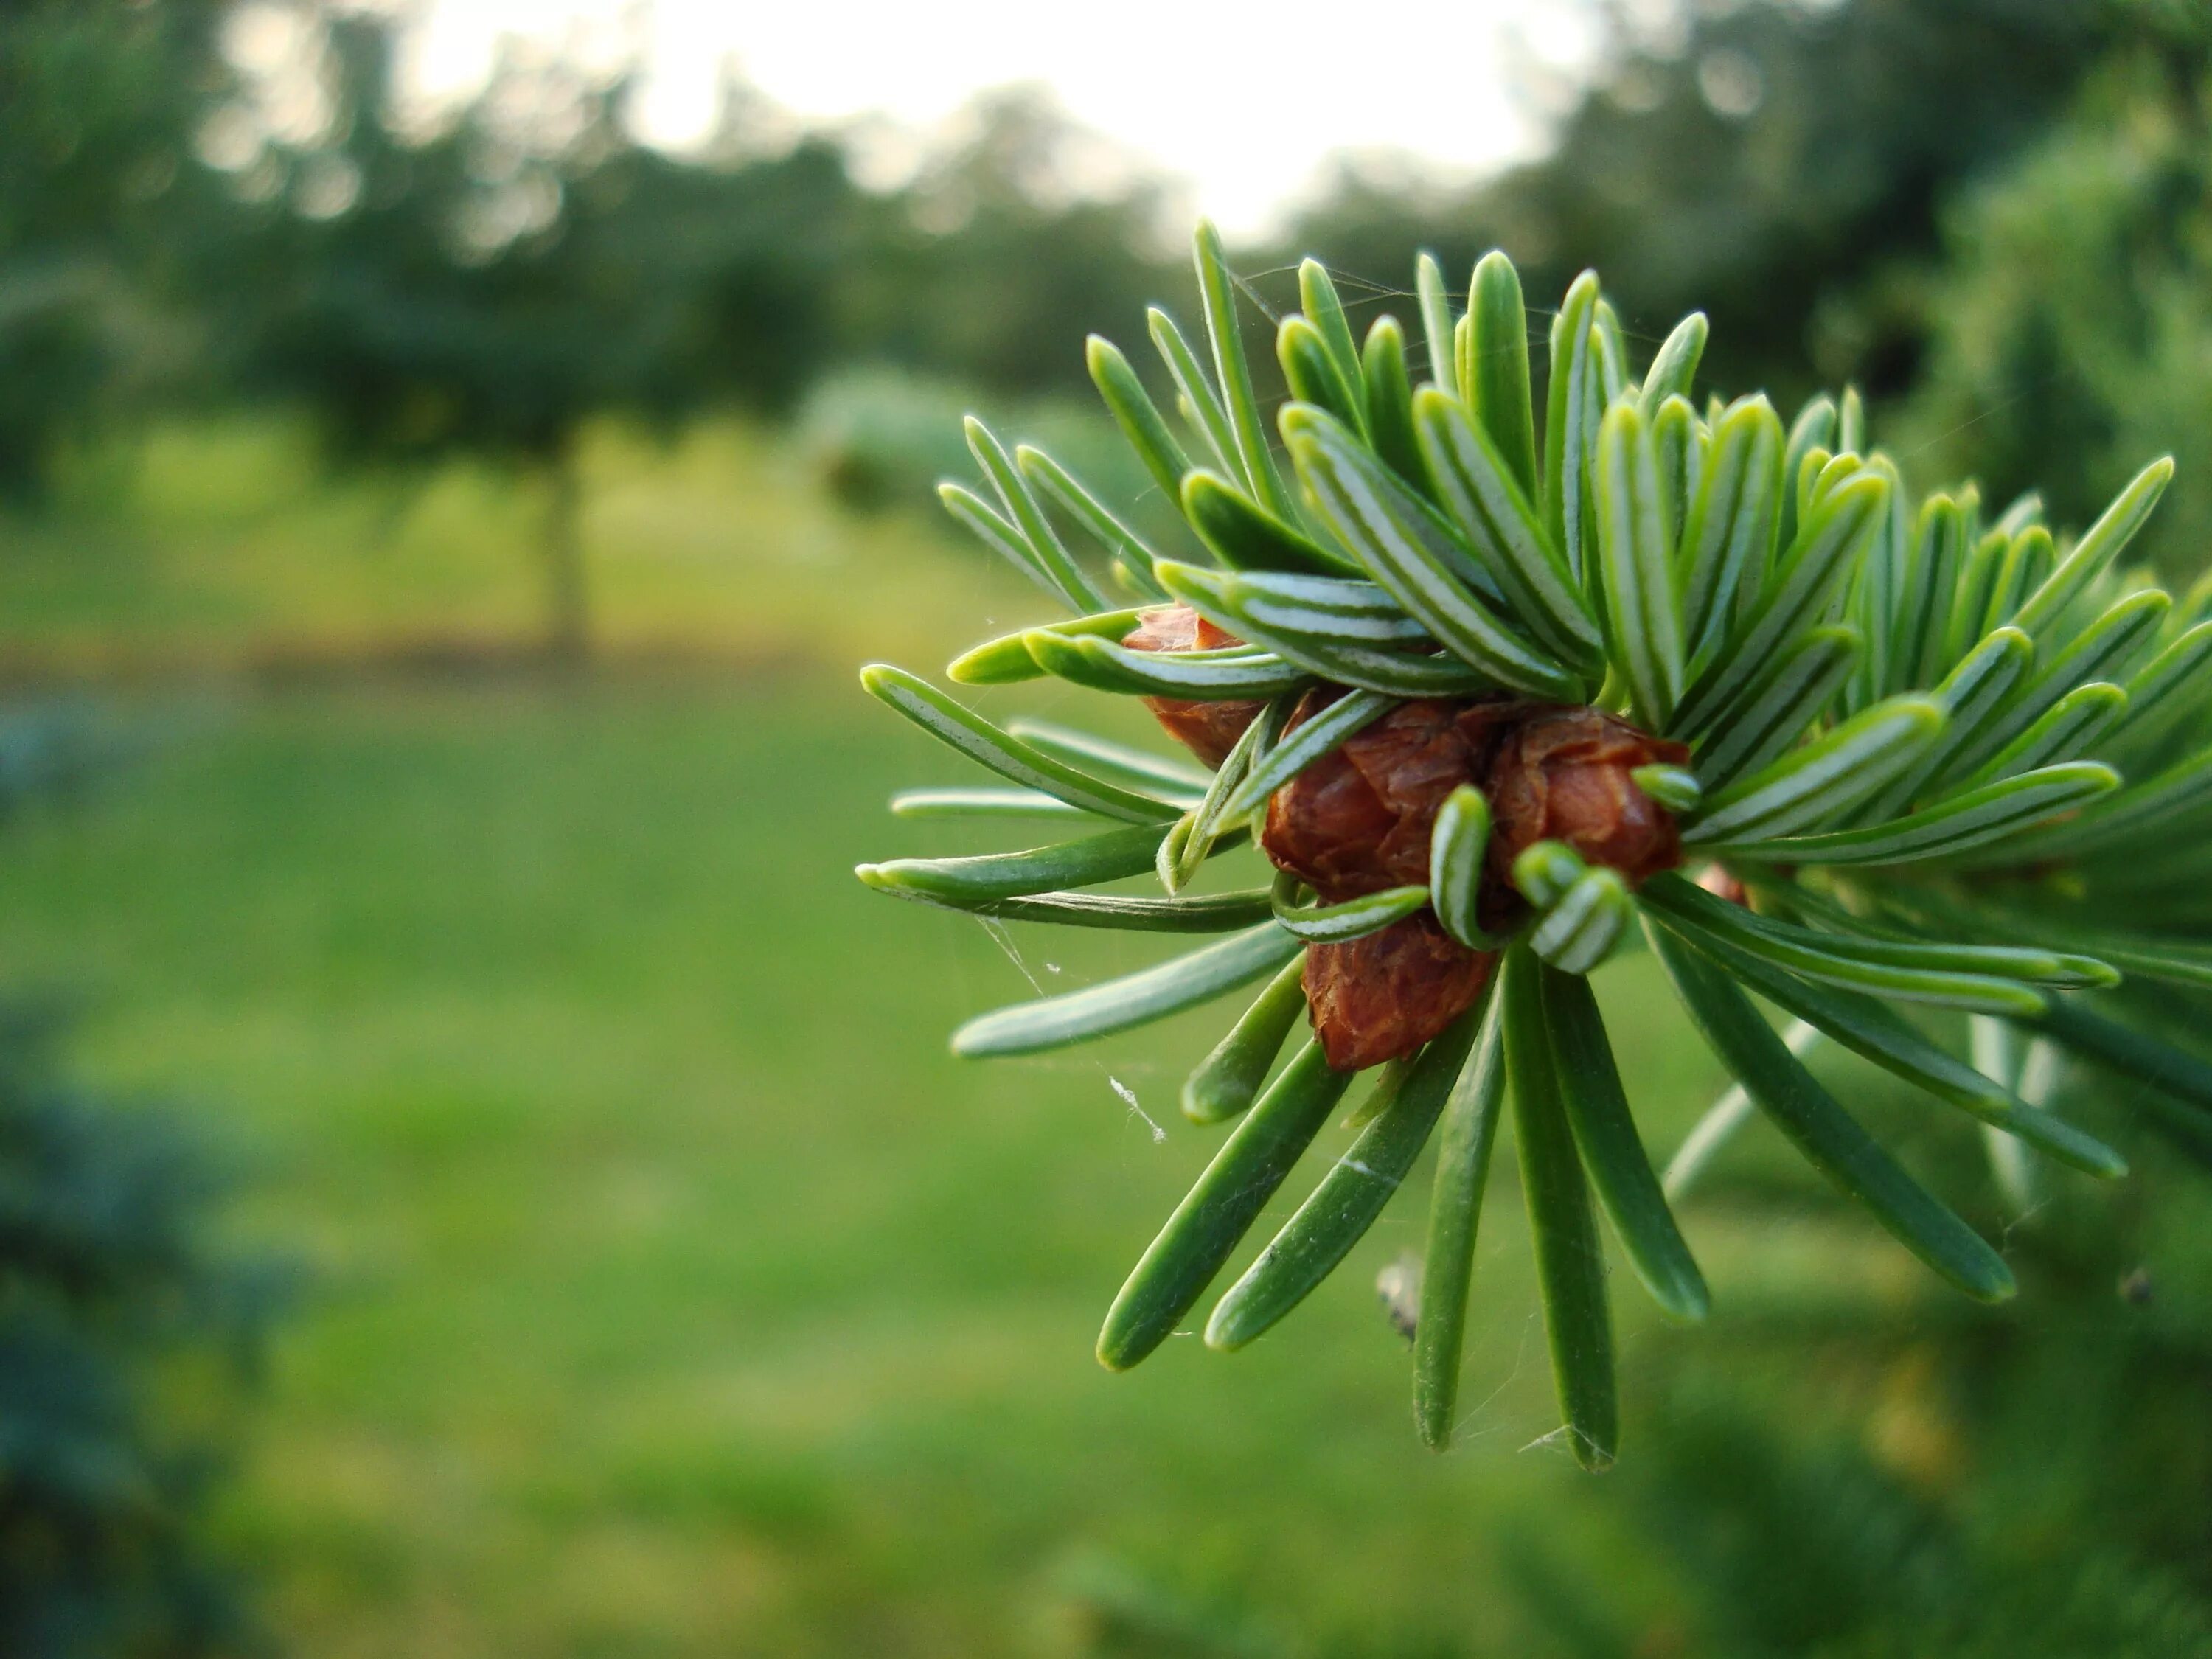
(675, 1292)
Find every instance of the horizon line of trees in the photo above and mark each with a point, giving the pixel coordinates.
(185, 224)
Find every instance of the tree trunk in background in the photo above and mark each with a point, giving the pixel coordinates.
(568, 596)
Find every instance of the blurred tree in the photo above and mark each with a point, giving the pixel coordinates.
(487, 288)
(237, 187)
(128, 1337)
(103, 210)
(484, 290)
(1775, 165)
(123, 1338)
(2071, 321)
(1837, 1480)
(1842, 1466)
(993, 263)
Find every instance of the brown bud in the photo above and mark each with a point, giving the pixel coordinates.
(1208, 730)
(1382, 997)
(1563, 774)
(1358, 819)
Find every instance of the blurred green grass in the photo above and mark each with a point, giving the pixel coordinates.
(220, 544)
(676, 1292)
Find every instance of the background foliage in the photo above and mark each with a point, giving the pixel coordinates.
(128, 1334)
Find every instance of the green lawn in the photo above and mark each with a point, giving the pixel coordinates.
(677, 1293)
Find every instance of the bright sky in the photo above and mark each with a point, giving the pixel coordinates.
(1243, 103)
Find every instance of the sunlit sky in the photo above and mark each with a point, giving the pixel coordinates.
(1240, 103)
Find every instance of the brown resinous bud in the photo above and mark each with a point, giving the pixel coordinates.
(1360, 820)
(1208, 730)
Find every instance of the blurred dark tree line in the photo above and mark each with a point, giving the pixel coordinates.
(188, 212)
(1994, 216)
(2069, 329)
(1780, 166)
(482, 281)
(484, 287)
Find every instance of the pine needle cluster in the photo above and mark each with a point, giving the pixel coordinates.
(1942, 760)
